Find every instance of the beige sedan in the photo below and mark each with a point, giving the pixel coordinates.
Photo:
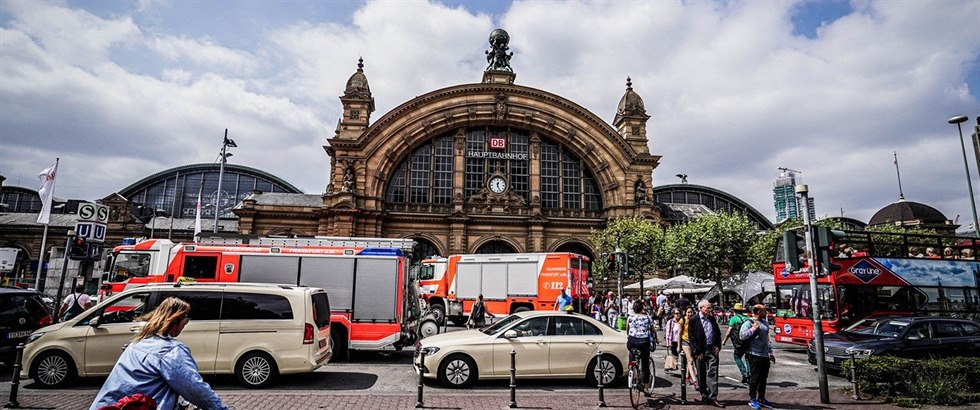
(549, 344)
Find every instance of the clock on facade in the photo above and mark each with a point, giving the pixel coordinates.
(497, 184)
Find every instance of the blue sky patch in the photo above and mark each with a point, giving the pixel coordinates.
(810, 15)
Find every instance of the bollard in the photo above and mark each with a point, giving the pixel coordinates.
(683, 377)
(15, 380)
(418, 402)
(854, 380)
(513, 379)
(599, 377)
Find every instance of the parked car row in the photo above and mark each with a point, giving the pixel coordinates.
(255, 331)
(910, 337)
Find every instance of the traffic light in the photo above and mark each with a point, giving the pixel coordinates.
(77, 249)
(823, 242)
(794, 249)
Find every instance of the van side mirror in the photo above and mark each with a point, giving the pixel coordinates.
(94, 321)
(510, 334)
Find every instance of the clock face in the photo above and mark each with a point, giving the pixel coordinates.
(497, 185)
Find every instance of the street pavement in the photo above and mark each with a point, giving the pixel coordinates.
(386, 381)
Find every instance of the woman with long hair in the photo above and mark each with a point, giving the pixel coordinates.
(158, 365)
(684, 322)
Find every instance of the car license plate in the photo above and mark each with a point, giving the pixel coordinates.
(20, 334)
(830, 359)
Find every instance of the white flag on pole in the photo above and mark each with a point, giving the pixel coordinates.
(197, 216)
(46, 192)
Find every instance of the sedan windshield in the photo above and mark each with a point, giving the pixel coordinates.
(494, 328)
(878, 327)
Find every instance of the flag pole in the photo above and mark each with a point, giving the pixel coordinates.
(47, 221)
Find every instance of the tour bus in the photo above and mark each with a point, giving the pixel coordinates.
(887, 274)
(509, 282)
(374, 306)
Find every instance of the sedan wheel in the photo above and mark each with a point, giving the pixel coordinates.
(606, 370)
(53, 369)
(457, 371)
(256, 370)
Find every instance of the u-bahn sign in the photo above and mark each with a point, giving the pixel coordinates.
(92, 219)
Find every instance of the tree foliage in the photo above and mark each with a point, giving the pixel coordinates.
(640, 237)
(762, 251)
(710, 245)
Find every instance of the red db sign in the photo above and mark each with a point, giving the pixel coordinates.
(498, 143)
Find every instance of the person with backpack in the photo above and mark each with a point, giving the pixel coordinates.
(74, 304)
(478, 314)
(739, 348)
(755, 334)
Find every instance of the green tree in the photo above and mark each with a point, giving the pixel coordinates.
(762, 251)
(712, 246)
(637, 236)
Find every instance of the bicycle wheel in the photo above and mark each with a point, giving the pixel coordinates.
(636, 386)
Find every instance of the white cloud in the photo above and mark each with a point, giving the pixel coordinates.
(733, 94)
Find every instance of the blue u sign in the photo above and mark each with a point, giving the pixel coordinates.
(83, 230)
(98, 232)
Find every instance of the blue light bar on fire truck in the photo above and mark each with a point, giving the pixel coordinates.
(381, 252)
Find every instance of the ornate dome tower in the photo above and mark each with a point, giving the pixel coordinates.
(358, 104)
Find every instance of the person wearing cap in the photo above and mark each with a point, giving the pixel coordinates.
(739, 349)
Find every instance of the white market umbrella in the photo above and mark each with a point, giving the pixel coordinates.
(654, 283)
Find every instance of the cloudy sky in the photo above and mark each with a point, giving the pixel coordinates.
(120, 90)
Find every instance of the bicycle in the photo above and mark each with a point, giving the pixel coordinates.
(639, 392)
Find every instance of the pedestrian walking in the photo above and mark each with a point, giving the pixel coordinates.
(158, 365)
(597, 309)
(672, 336)
(685, 322)
(705, 337)
(755, 333)
(564, 302)
(612, 309)
(74, 304)
(738, 347)
(478, 314)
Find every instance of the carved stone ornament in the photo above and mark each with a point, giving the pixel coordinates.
(640, 193)
(500, 107)
(349, 184)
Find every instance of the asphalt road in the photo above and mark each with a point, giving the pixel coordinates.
(372, 372)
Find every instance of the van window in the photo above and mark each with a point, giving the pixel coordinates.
(246, 306)
(124, 310)
(204, 305)
(200, 267)
(321, 310)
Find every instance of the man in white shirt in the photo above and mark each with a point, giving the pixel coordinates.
(75, 303)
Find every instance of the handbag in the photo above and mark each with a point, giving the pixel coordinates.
(670, 362)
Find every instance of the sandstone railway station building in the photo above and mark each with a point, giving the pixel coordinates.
(487, 167)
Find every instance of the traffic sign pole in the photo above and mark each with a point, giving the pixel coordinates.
(803, 191)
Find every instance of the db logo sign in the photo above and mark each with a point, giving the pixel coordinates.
(499, 143)
(787, 329)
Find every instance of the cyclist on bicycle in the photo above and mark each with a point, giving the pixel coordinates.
(643, 337)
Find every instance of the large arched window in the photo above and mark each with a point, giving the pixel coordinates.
(495, 247)
(425, 177)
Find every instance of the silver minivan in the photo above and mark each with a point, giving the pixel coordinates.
(255, 331)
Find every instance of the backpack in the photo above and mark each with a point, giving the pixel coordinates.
(737, 342)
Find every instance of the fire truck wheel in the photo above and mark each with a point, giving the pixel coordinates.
(457, 320)
(457, 371)
(428, 328)
(521, 309)
(256, 370)
(338, 337)
(439, 312)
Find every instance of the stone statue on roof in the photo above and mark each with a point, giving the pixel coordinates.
(498, 57)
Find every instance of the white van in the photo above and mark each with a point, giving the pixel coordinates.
(255, 331)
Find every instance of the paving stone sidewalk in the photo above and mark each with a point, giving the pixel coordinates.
(615, 399)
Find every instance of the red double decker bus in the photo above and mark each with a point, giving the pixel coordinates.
(887, 274)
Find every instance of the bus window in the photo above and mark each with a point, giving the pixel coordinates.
(794, 301)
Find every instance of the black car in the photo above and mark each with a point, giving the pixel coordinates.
(21, 313)
(910, 337)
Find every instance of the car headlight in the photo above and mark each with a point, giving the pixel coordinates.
(860, 352)
(34, 336)
(430, 350)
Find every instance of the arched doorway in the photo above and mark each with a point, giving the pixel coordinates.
(495, 247)
(575, 247)
(423, 249)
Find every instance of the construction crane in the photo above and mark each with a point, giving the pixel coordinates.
(784, 169)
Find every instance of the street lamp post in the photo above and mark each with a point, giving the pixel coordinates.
(228, 143)
(153, 222)
(959, 119)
